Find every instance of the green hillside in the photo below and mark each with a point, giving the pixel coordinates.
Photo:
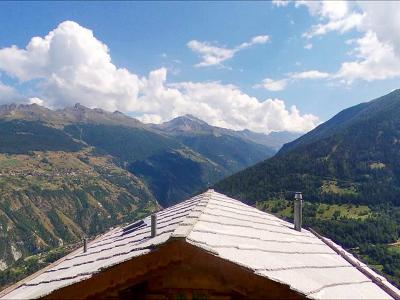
(125, 143)
(19, 136)
(354, 158)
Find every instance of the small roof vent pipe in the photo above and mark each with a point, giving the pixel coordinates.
(298, 210)
(84, 245)
(153, 225)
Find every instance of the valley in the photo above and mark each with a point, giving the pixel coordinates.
(73, 173)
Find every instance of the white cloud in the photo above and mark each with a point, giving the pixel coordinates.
(375, 61)
(376, 54)
(273, 85)
(312, 74)
(260, 39)
(308, 46)
(332, 16)
(227, 106)
(36, 100)
(279, 85)
(342, 25)
(280, 3)
(383, 18)
(220, 105)
(72, 66)
(213, 55)
(210, 55)
(332, 10)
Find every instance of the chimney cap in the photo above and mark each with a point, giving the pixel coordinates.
(298, 196)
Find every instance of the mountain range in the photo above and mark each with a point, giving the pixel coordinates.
(74, 172)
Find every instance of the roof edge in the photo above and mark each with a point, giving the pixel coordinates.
(380, 281)
(21, 282)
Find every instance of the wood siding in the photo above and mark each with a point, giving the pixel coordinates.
(176, 270)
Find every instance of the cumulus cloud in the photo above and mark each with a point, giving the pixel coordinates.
(227, 106)
(383, 18)
(71, 66)
(213, 55)
(375, 61)
(220, 105)
(376, 54)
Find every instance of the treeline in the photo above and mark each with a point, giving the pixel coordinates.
(386, 256)
(351, 233)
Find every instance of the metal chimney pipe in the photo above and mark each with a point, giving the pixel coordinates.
(153, 225)
(84, 245)
(298, 210)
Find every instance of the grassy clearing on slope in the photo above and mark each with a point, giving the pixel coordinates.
(332, 187)
(284, 209)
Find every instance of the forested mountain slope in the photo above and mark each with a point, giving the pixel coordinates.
(354, 157)
(348, 169)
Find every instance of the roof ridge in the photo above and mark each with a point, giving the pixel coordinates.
(187, 224)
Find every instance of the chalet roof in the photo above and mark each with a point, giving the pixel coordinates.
(228, 229)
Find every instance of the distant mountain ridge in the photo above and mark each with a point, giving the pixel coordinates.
(75, 114)
(190, 125)
(186, 124)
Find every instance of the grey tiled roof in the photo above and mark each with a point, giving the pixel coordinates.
(232, 231)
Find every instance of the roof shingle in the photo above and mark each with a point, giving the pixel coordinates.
(231, 230)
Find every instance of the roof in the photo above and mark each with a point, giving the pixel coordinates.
(233, 231)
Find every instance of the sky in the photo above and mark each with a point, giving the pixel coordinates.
(263, 66)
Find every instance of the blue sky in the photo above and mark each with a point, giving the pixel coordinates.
(143, 37)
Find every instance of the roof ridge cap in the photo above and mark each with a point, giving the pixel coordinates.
(187, 224)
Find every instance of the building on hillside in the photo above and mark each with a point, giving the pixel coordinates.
(208, 247)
